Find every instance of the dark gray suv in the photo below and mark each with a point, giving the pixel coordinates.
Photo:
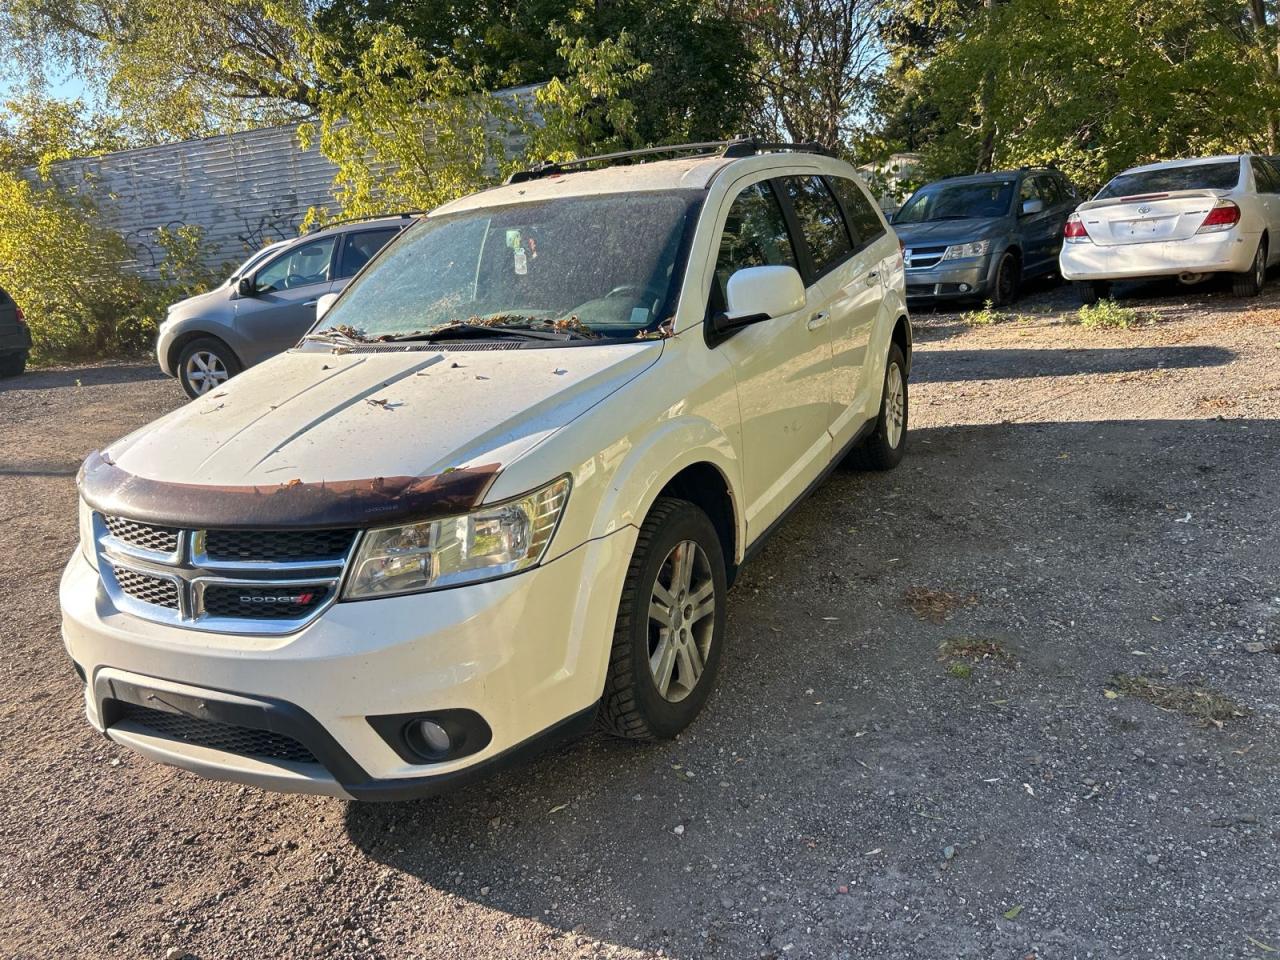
(267, 304)
(15, 337)
(979, 237)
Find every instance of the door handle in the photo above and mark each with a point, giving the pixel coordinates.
(310, 303)
(873, 278)
(819, 319)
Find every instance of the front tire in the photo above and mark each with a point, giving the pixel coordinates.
(1091, 291)
(888, 441)
(670, 627)
(205, 365)
(1008, 277)
(1249, 283)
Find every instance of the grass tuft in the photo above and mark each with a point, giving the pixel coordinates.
(1204, 704)
(936, 605)
(1109, 315)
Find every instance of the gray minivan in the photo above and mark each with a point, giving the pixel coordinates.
(267, 304)
(979, 237)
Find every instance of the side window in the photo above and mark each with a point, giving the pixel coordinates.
(864, 222)
(1274, 168)
(1050, 190)
(821, 223)
(755, 235)
(1263, 176)
(300, 267)
(359, 249)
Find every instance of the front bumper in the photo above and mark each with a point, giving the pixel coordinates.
(1228, 252)
(527, 654)
(950, 280)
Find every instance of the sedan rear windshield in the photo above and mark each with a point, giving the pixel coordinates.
(958, 201)
(1222, 175)
(601, 266)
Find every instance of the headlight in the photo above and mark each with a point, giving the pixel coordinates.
(959, 251)
(87, 545)
(491, 541)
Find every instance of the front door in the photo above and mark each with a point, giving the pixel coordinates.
(782, 366)
(283, 307)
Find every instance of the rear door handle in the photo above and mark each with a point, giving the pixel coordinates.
(310, 303)
(873, 278)
(818, 320)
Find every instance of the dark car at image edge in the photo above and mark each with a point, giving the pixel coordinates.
(15, 337)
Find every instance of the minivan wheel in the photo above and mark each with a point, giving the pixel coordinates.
(1005, 290)
(1091, 291)
(670, 628)
(883, 449)
(1249, 283)
(206, 364)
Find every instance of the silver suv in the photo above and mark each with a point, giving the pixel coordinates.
(267, 303)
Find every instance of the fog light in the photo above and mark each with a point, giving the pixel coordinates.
(428, 738)
(964, 288)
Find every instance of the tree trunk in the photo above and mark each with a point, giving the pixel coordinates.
(1258, 18)
(986, 147)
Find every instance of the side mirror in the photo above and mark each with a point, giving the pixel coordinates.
(759, 293)
(245, 287)
(324, 303)
(1032, 206)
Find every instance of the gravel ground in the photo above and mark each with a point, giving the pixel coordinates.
(929, 738)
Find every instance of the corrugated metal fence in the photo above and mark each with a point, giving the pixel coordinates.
(242, 189)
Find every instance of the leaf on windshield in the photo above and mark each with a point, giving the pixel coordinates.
(661, 333)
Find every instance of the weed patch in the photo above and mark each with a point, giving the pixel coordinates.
(1109, 315)
(936, 606)
(1204, 704)
(974, 648)
(986, 317)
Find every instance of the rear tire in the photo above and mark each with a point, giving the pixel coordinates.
(13, 364)
(1008, 276)
(1250, 283)
(888, 441)
(205, 365)
(1091, 291)
(670, 627)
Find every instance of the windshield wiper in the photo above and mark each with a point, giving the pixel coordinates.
(332, 335)
(957, 216)
(466, 331)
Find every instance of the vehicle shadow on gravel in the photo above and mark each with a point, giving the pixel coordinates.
(37, 379)
(854, 789)
(1007, 364)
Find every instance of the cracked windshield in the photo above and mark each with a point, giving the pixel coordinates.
(577, 268)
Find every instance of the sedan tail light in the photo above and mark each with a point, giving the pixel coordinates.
(1223, 216)
(1074, 230)
(21, 317)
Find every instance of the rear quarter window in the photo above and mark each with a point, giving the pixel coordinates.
(821, 222)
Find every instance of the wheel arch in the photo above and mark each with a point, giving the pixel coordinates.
(902, 337)
(184, 340)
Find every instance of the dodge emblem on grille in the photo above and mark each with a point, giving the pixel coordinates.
(294, 598)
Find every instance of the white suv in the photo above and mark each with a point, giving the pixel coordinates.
(502, 487)
(1182, 218)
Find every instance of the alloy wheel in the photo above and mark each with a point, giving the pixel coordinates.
(206, 370)
(894, 405)
(681, 620)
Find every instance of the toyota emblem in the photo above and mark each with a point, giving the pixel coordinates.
(1144, 210)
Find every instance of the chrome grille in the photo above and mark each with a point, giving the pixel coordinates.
(228, 581)
(144, 536)
(277, 546)
(922, 258)
(218, 736)
(145, 588)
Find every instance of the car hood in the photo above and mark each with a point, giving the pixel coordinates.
(199, 303)
(320, 416)
(941, 232)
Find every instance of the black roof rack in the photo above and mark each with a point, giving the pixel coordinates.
(403, 214)
(729, 149)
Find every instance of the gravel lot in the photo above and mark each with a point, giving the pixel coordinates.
(930, 738)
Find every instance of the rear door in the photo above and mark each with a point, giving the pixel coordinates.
(1267, 183)
(782, 366)
(1036, 229)
(284, 307)
(857, 305)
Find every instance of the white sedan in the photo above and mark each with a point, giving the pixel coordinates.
(1183, 218)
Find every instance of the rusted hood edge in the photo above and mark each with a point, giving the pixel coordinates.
(373, 502)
